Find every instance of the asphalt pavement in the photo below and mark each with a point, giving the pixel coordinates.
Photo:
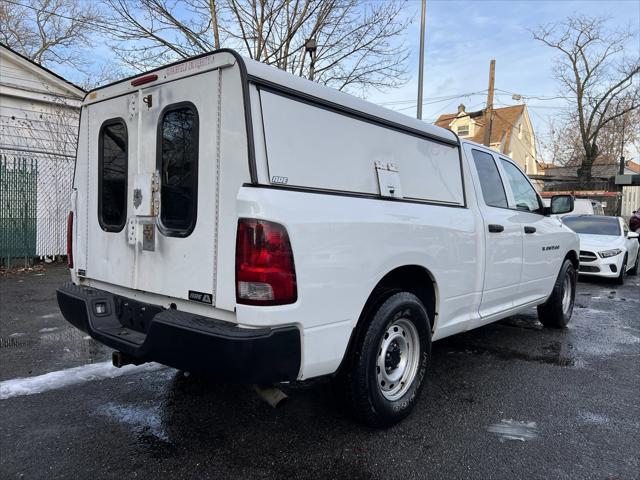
(507, 401)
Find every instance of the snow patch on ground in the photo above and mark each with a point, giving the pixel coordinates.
(71, 376)
(514, 430)
(594, 418)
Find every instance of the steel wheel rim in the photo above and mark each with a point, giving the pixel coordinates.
(398, 359)
(566, 295)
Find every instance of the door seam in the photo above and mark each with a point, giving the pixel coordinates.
(216, 226)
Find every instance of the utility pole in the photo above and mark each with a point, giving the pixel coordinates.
(622, 165)
(489, 110)
(421, 65)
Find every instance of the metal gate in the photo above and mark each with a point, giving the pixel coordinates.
(34, 196)
(18, 206)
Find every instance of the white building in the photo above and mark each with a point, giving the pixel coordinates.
(39, 113)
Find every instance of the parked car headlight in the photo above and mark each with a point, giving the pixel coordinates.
(609, 253)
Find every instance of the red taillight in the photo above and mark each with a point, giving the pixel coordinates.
(265, 272)
(70, 240)
(142, 80)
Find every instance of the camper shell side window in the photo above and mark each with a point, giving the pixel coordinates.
(177, 162)
(112, 175)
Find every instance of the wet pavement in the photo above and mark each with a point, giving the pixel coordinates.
(509, 400)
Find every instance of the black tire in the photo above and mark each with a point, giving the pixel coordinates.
(358, 379)
(552, 314)
(634, 270)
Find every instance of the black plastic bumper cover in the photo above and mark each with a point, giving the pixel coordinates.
(186, 341)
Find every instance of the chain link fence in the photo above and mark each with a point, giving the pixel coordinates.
(35, 188)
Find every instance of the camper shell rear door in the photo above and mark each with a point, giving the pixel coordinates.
(167, 240)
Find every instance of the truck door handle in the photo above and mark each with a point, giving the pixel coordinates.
(493, 228)
(529, 229)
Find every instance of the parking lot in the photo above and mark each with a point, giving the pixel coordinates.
(509, 400)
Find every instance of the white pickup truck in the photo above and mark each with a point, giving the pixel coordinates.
(231, 218)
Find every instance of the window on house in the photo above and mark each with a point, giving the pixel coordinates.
(490, 181)
(178, 165)
(463, 130)
(112, 175)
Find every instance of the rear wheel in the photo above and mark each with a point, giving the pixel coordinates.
(384, 373)
(557, 310)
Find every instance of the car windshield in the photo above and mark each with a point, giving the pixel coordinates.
(593, 225)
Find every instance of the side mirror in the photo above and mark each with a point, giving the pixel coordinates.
(633, 235)
(561, 204)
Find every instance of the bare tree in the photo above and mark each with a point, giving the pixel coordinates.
(49, 32)
(620, 137)
(359, 44)
(595, 71)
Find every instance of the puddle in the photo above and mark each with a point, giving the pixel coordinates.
(514, 430)
(552, 354)
(143, 420)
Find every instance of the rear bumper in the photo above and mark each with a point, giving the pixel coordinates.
(183, 340)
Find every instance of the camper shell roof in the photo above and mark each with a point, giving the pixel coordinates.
(272, 78)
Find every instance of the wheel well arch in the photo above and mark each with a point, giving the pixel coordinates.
(573, 256)
(409, 278)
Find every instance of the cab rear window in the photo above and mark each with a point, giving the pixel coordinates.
(178, 166)
(112, 175)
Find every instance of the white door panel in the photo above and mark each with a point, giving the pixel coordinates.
(542, 239)
(503, 235)
(181, 261)
(503, 261)
(542, 255)
(110, 258)
(169, 262)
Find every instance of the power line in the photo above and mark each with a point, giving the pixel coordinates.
(433, 99)
(536, 97)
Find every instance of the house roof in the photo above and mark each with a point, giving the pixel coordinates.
(633, 166)
(504, 120)
(43, 72)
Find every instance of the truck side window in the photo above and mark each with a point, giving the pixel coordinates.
(112, 175)
(490, 181)
(524, 194)
(178, 165)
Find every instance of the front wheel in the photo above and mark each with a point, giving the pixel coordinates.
(556, 311)
(384, 374)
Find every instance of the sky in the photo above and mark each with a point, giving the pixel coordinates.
(461, 39)
(463, 36)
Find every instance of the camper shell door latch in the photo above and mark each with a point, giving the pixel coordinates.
(146, 190)
(388, 180)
